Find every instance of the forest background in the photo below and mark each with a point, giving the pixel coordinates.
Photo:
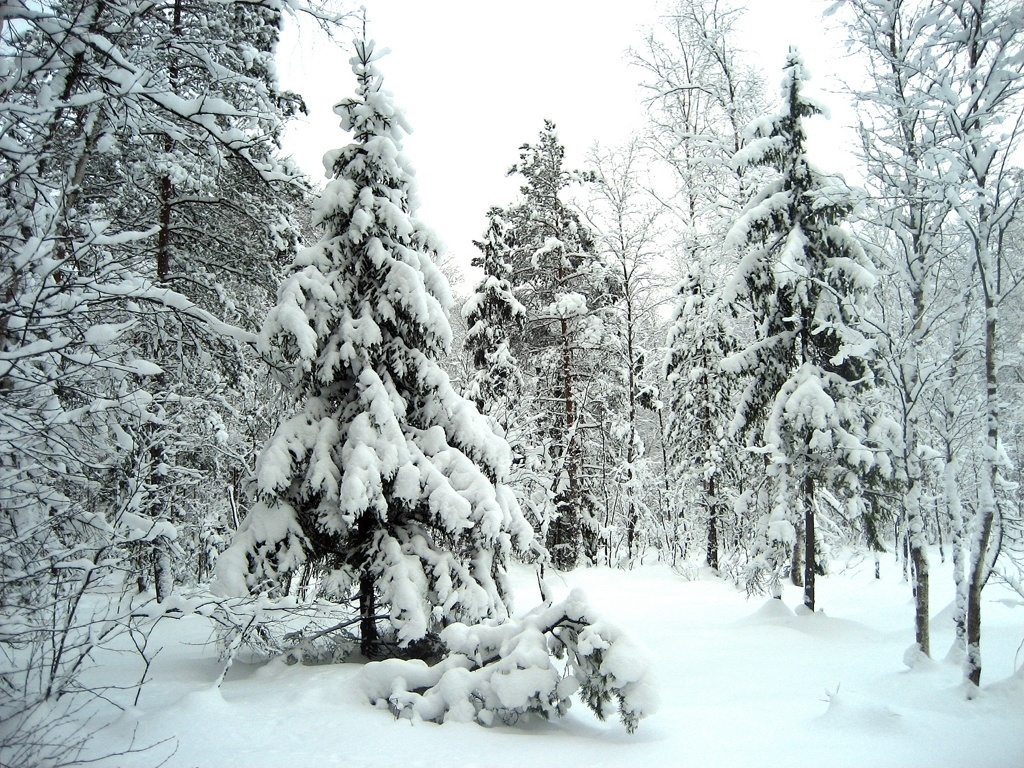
(696, 348)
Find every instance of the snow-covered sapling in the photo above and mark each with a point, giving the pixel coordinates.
(530, 665)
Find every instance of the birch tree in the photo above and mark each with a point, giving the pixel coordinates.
(627, 227)
(901, 147)
(979, 61)
(700, 96)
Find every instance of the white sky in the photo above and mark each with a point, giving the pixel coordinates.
(476, 78)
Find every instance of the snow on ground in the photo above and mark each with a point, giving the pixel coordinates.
(742, 682)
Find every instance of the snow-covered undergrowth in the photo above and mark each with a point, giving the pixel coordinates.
(741, 682)
(509, 670)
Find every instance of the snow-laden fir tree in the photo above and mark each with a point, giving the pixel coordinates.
(802, 279)
(700, 404)
(494, 317)
(383, 474)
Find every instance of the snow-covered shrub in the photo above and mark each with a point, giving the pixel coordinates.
(533, 664)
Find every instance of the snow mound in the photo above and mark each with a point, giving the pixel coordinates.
(773, 611)
(859, 714)
(915, 658)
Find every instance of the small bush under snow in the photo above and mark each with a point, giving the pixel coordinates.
(529, 665)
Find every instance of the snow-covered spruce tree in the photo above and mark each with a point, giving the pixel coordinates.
(383, 472)
(700, 406)
(493, 318)
(802, 279)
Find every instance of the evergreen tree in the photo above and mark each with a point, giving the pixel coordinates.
(700, 405)
(803, 279)
(494, 318)
(383, 472)
(564, 285)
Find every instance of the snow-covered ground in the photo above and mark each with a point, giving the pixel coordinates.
(742, 683)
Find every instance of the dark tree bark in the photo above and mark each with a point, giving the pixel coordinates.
(810, 548)
(368, 637)
(712, 551)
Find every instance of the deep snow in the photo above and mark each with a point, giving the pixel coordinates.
(742, 682)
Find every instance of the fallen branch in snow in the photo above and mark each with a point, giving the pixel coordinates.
(311, 633)
(1012, 580)
(508, 670)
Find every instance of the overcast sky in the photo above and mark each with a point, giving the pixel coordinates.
(476, 79)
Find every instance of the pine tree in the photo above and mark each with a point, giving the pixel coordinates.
(98, 408)
(564, 286)
(383, 473)
(221, 214)
(802, 278)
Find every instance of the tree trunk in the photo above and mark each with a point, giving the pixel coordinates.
(630, 530)
(796, 571)
(667, 511)
(163, 245)
(163, 239)
(972, 668)
(367, 615)
(951, 487)
(810, 551)
(987, 509)
(916, 544)
(631, 511)
(163, 573)
(922, 629)
(565, 539)
(141, 571)
(712, 525)
(364, 545)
